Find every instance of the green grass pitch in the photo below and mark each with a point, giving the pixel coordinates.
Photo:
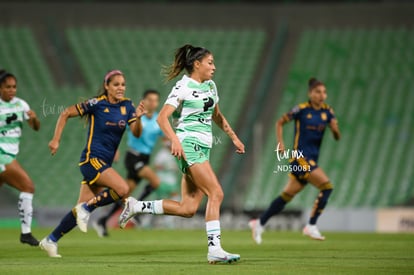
(184, 252)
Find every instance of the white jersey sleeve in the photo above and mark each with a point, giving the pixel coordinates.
(213, 84)
(177, 94)
(26, 108)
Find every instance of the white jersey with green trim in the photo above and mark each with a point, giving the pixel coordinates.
(194, 103)
(12, 115)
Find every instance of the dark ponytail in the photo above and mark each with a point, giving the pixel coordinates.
(184, 58)
(313, 83)
(4, 75)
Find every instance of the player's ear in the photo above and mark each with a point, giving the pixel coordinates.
(197, 64)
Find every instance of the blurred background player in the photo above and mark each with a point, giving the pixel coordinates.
(137, 157)
(13, 112)
(167, 170)
(311, 119)
(108, 115)
(193, 102)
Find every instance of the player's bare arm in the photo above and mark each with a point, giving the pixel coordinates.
(136, 126)
(60, 125)
(222, 122)
(279, 132)
(33, 121)
(335, 129)
(163, 121)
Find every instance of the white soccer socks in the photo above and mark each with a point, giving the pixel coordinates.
(149, 207)
(25, 207)
(213, 235)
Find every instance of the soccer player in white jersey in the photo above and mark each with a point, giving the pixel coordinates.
(13, 112)
(193, 103)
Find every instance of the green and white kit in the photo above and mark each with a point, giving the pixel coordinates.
(167, 172)
(194, 103)
(12, 115)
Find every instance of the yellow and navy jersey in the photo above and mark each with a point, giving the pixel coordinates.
(107, 122)
(310, 125)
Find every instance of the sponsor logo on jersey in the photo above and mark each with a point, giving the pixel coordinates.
(204, 120)
(122, 124)
(109, 123)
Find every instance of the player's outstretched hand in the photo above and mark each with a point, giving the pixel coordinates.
(53, 146)
(140, 110)
(239, 146)
(177, 150)
(31, 114)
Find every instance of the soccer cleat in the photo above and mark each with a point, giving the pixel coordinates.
(100, 228)
(257, 230)
(313, 232)
(127, 213)
(82, 217)
(29, 239)
(50, 247)
(221, 256)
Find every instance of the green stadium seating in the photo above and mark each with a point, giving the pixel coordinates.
(140, 53)
(56, 178)
(368, 73)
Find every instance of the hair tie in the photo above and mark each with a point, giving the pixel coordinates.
(111, 74)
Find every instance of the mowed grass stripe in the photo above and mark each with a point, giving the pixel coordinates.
(184, 252)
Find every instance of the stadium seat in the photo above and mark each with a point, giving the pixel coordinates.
(140, 53)
(368, 73)
(56, 178)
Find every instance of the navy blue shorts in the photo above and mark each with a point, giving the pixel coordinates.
(301, 168)
(92, 169)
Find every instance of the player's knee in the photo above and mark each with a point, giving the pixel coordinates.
(286, 196)
(216, 196)
(122, 190)
(326, 186)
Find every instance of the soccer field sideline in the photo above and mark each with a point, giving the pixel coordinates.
(184, 252)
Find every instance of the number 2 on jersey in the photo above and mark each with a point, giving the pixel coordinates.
(208, 102)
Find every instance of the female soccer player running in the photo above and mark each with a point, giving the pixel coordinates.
(107, 115)
(137, 157)
(311, 119)
(13, 111)
(193, 102)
